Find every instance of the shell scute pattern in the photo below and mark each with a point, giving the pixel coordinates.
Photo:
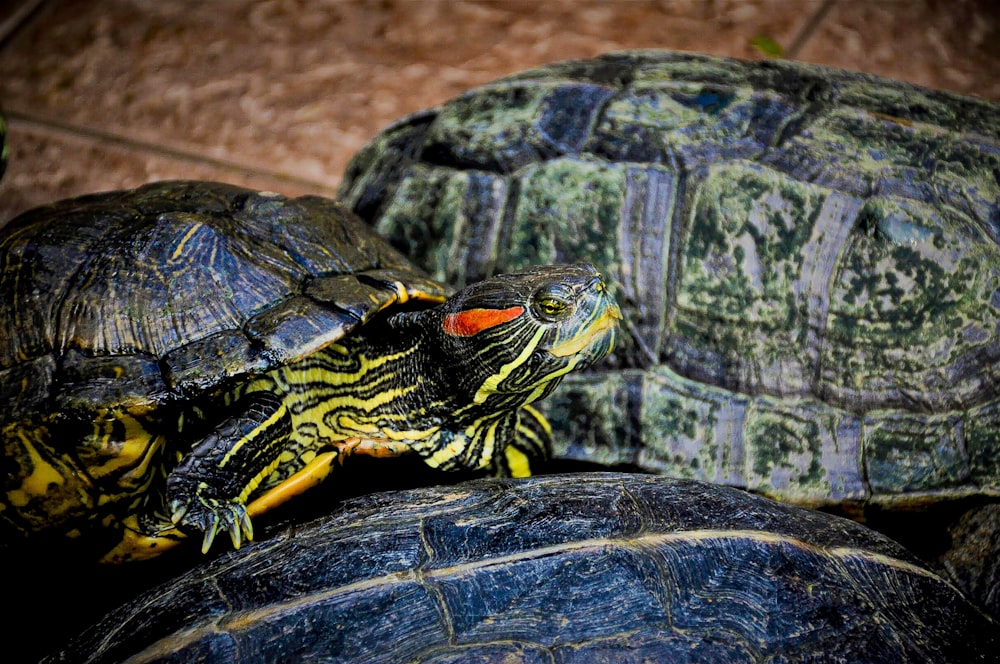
(788, 241)
(198, 296)
(557, 569)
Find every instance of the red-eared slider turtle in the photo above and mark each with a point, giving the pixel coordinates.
(807, 259)
(190, 354)
(585, 568)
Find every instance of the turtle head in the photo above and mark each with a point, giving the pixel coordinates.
(516, 335)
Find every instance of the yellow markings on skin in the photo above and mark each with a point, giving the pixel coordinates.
(373, 403)
(135, 545)
(607, 321)
(453, 449)
(309, 476)
(310, 406)
(38, 482)
(517, 462)
(250, 437)
(295, 375)
(257, 479)
(141, 474)
(492, 383)
(350, 426)
(179, 251)
(349, 423)
(539, 418)
(137, 448)
(542, 384)
(411, 434)
(481, 431)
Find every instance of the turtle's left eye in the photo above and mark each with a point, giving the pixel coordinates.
(552, 303)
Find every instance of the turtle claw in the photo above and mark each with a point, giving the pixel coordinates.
(234, 534)
(211, 515)
(239, 525)
(210, 529)
(245, 525)
(177, 512)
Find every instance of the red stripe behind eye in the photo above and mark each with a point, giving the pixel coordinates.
(474, 321)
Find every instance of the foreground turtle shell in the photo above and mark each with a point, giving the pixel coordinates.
(603, 567)
(808, 259)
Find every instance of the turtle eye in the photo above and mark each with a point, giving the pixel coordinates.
(552, 303)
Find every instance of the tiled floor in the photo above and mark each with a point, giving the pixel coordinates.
(280, 93)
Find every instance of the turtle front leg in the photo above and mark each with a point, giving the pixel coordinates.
(208, 489)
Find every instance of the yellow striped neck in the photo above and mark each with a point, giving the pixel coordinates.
(450, 403)
(351, 390)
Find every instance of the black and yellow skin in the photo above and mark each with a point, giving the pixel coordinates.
(181, 357)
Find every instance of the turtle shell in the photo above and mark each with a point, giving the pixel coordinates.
(613, 567)
(156, 296)
(807, 259)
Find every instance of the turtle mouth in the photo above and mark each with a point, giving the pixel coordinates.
(597, 338)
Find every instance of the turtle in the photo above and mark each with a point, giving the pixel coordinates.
(179, 357)
(807, 258)
(602, 567)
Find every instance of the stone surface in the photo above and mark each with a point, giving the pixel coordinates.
(948, 44)
(106, 95)
(294, 89)
(47, 165)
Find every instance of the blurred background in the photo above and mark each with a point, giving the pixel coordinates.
(278, 94)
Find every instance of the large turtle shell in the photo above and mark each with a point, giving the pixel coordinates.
(808, 260)
(166, 291)
(610, 567)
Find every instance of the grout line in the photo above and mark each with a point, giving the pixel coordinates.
(809, 29)
(75, 131)
(17, 19)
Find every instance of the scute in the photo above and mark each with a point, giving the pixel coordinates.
(208, 277)
(804, 255)
(563, 568)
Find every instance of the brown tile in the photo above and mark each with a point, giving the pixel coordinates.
(296, 88)
(14, 13)
(47, 165)
(948, 44)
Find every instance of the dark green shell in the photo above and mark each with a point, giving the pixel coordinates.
(174, 287)
(807, 259)
(615, 568)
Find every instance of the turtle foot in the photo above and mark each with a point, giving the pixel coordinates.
(210, 515)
